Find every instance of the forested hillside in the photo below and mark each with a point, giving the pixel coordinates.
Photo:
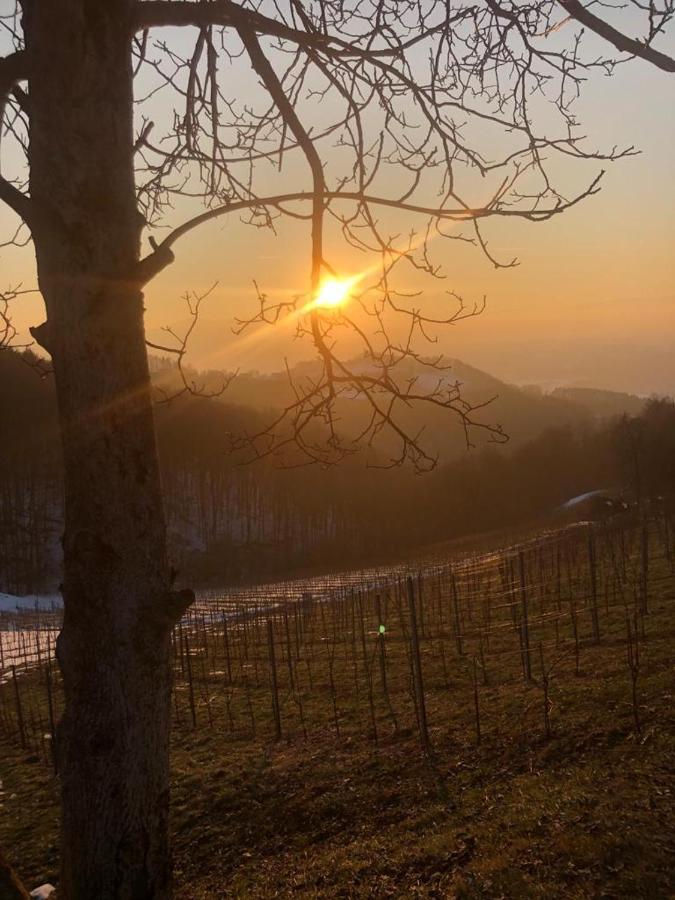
(230, 521)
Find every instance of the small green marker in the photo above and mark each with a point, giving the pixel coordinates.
(382, 629)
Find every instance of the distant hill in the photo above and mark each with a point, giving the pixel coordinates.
(522, 412)
(602, 404)
(231, 522)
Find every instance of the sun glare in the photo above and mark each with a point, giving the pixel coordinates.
(334, 292)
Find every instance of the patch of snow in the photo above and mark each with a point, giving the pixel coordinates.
(10, 602)
(43, 892)
(25, 647)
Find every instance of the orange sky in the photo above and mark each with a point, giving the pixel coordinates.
(592, 302)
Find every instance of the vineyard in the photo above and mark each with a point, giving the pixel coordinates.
(482, 653)
(378, 652)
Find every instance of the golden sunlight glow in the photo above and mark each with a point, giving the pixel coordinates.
(334, 292)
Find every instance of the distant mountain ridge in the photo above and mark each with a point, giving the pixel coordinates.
(602, 403)
(524, 412)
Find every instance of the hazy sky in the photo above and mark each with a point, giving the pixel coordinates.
(592, 301)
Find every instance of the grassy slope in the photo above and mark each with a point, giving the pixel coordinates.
(587, 813)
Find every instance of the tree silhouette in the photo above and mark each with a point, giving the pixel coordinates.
(420, 89)
(658, 18)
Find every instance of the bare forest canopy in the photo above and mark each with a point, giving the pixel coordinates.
(231, 522)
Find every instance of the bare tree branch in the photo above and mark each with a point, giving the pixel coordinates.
(13, 68)
(177, 13)
(16, 200)
(622, 42)
(179, 349)
(162, 255)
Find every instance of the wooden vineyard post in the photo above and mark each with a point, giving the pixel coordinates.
(180, 648)
(417, 671)
(439, 596)
(382, 656)
(633, 659)
(204, 686)
(226, 647)
(475, 699)
(19, 710)
(191, 688)
(249, 705)
(483, 665)
(289, 649)
(176, 707)
(331, 668)
(622, 546)
(367, 669)
(381, 646)
(558, 576)
(667, 537)
(274, 684)
(355, 667)
(37, 646)
(575, 635)
(545, 680)
(50, 709)
(296, 627)
(644, 569)
(524, 622)
(455, 613)
(592, 564)
(420, 606)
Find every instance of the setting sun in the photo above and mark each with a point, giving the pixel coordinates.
(334, 292)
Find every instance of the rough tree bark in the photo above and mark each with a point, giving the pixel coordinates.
(119, 610)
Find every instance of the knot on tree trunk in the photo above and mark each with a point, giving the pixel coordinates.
(151, 265)
(41, 336)
(178, 603)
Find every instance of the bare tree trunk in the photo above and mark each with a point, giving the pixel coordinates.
(114, 649)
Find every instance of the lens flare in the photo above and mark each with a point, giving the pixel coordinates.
(334, 292)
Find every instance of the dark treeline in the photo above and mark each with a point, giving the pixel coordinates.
(30, 484)
(230, 522)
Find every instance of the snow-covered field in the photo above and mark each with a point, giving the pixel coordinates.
(12, 603)
(28, 638)
(25, 647)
